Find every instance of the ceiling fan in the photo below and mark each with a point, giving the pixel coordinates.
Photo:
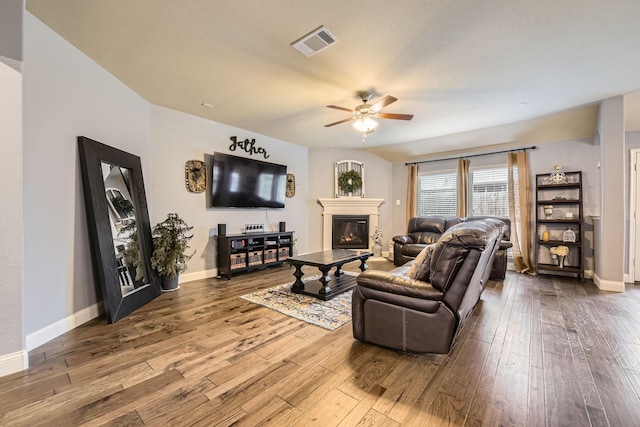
(365, 114)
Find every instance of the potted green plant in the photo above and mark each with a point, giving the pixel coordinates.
(170, 243)
(131, 251)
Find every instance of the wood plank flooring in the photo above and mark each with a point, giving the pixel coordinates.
(537, 351)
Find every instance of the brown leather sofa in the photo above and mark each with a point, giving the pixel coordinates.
(422, 231)
(393, 310)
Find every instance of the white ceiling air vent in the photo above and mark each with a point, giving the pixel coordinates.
(317, 40)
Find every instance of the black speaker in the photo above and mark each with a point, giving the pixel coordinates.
(283, 226)
(222, 229)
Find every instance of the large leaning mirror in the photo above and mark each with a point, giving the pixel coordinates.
(119, 227)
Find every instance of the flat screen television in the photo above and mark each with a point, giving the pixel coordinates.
(238, 182)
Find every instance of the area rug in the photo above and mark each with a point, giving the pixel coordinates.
(327, 314)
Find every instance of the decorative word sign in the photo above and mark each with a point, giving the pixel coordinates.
(247, 146)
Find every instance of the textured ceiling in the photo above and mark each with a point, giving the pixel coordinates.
(457, 66)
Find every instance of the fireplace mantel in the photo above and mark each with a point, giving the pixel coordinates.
(348, 206)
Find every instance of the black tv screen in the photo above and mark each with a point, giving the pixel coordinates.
(238, 182)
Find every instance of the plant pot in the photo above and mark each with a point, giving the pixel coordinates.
(169, 284)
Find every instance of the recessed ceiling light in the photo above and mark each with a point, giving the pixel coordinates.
(207, 105)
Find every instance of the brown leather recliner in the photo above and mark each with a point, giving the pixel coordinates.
(422, 231)
(393, 310)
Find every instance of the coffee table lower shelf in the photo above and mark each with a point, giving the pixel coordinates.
(338, 285)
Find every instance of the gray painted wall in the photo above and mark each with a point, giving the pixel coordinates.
(612, 154)
(12, 357)
(11, 29)
(66, 95)
(11, 217)
(178, 137)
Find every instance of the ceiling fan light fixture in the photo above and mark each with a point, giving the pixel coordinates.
(365, 124)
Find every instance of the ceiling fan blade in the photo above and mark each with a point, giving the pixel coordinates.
(395, 116)
(383, 103)
(337, 123)
(340, 108)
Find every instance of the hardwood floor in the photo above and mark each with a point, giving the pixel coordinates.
(537, 351)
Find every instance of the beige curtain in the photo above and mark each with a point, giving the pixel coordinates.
(519, 182)
(412, 192)
(463, 187)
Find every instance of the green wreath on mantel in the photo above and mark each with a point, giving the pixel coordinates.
(349, 181)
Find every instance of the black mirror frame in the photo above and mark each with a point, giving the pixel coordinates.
(92, 154)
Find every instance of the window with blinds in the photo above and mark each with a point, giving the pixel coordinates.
(489, 195)
(437, 194)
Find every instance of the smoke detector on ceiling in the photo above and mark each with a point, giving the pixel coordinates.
(314, 42)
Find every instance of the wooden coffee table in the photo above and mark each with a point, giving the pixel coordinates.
(327, 287)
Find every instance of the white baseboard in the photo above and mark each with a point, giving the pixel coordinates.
(608, 285)
(58, 328)
(198, 275)
(14, 362)
(62, 326)
(627, 278)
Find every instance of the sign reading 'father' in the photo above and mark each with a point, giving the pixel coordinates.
(247, 146)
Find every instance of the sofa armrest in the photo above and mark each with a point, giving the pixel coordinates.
(403, 240)
(505, 244)
(398, 284)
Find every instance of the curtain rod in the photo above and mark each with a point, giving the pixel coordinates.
(533, 147)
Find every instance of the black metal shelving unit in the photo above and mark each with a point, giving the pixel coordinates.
(566, 199)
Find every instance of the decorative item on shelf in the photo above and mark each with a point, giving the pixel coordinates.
(195, 176)
(558, 176)
(560, 252)
(545, 236)
(377, 242)
(559, 197)
(569, 235)
(291, 185)
(253, 228)
(170, 243)
(548, 211)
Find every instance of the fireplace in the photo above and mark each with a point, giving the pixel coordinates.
(350, 232)
(348, 206)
